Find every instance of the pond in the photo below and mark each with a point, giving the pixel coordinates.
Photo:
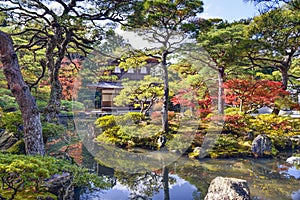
(186, 179)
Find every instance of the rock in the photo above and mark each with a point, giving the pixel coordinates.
(7, 140)
(293, 160)
(223, 188)
(295, 138)
(261, 146)
(61, 185)
(197, 150)
(161, 141)
(249, 136)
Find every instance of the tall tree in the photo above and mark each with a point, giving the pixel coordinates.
(145, 93)
(30, 114)
(222, 41)
(275, 40)
(60, 28)
(164, 23)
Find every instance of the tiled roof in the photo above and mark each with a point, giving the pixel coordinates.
(106, 85)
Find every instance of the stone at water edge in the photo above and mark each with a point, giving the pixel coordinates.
(62, 186)
(224, 188)
(261, 146)
(293, 160)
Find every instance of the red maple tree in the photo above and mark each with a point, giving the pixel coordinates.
(253, 94)
(193, 97)
(67, 77)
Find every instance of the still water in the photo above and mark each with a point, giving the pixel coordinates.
(268, 179)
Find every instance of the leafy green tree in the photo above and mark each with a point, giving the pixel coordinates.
(61, 28)
(223, 43)
(275, 40)
(165, 24)
(145, 93)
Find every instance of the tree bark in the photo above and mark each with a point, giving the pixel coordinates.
(221, 74)
(165, 123)
(53, 108)
(30, 114)
(284, 77)
(57, 39)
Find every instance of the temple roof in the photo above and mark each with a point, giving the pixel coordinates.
(106, 85)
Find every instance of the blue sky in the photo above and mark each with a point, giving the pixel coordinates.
(230, 10)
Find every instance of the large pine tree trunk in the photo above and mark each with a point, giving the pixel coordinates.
(52, 110)
(284, 77)
(30, 114)
(165, 123)
(221, 74)
(54, 61)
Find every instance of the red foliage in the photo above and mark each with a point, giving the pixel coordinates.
(67, 77)
(253, 93)
(192, 97)
(75, 151)
(234, 122)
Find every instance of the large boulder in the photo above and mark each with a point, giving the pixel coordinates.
(7, 139)
(62, 186)
(261, 146)
(223, 188)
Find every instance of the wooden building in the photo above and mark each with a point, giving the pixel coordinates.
(106, 91)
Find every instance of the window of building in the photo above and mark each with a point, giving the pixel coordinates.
(143, 70)
(117, 70)
(130, 71)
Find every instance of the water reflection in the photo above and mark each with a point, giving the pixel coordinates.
(186, 179)
(289, 171)
(178, 189)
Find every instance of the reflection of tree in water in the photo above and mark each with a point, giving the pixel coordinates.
(144, 186)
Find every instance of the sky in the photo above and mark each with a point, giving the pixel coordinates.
(229, 10)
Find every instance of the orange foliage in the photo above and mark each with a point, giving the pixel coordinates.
(253, 93)
(75, 151)
(67, 77)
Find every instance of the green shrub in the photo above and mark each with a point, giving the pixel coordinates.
(4, 91)
(130, 118)
(274, 125)
(51, 130)
(12, 121)
(41, 93)
(144, 136)
(8, 102)
(20, 173)
(232, 111)
(41, 104)
(72, 106)
(105, 122)
(229, 146)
